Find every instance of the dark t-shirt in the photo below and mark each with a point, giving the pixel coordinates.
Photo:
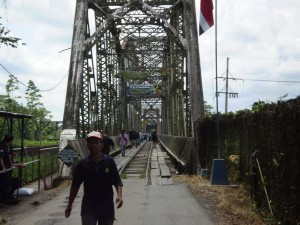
(107, 142)
(154, 137)
(4, 154)
(98, 179)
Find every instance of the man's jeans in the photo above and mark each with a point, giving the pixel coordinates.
(91, 220)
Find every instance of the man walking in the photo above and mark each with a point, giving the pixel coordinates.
(98, 173)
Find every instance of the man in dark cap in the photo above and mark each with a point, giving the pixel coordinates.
(98, 173)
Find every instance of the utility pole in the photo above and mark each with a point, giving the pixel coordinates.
(227, 93)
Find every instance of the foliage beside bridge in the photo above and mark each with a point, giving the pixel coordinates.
(272, 135)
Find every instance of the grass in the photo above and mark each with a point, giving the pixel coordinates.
(143, 175)
(33, 143)
(229, 203)
(123, 175)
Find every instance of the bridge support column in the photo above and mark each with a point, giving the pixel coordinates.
(72, 105)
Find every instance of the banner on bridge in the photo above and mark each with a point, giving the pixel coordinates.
(143, 89)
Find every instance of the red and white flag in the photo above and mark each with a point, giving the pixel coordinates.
(206, 16)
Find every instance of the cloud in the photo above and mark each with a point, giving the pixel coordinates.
(262, 42)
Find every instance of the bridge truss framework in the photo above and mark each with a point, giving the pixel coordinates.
(118, 44)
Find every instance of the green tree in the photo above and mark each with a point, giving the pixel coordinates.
(207, 109)
(33, 96)
(11, 86)
(2, 102)
(256, 106)
(40, 126)
(35, 107)
(6, 39)
(10, 99)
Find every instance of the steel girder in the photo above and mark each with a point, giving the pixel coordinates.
(139, 37)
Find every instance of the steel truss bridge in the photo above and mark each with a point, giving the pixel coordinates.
(134, 63)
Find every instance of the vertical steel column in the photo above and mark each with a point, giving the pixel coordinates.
(74, 89)
(193, 60)
(194, 73)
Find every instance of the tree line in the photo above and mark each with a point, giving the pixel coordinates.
(40, 125)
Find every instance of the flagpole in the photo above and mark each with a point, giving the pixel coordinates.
(219, 174)
(219, 170)
(217, 97)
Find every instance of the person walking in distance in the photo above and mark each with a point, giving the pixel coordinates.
(108, 143)
(98, 173)
(123, 138)
(154, 138)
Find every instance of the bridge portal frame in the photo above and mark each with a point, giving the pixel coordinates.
(96, 98)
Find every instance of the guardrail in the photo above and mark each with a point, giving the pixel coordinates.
(41, 162)
(180, 148)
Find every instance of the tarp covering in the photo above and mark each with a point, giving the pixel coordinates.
(134, 75)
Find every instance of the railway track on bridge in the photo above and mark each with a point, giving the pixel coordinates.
(146, 162)
(135, 163)
(137, 167)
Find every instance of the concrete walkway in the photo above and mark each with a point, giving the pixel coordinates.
(143, 205)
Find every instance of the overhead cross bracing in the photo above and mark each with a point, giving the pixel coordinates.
(133, 61)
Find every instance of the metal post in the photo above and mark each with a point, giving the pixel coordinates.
(217, 99)
(226, 93)
(22, 152)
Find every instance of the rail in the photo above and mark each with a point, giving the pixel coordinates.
(41, 165)
(180, 148)
(121, 166)
(15, 167)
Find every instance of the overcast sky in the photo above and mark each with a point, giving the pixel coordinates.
(261, 38)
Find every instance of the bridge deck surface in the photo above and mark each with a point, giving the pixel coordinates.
(143, 205)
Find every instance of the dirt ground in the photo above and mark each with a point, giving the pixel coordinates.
(229, 205)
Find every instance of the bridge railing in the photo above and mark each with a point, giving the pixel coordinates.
(180, 148)
(41, 165)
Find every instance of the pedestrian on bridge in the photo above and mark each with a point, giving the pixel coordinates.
(98, 173)
(123, 139)
(108, 143)
(154, 138)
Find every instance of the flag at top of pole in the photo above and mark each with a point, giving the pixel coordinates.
(206, 16)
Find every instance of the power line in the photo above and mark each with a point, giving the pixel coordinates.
(279, 58)
(262, 80)
(56, 84)
(50, 89)
(12, 75)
